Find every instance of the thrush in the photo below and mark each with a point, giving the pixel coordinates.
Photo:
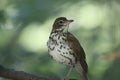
(66, 49)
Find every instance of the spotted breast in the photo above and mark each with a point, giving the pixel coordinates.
(59, 49)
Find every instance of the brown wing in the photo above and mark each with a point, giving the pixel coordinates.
(78, 51)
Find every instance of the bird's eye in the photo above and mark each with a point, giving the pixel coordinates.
(61, 22)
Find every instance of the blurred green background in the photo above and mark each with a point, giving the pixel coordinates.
(25, 26)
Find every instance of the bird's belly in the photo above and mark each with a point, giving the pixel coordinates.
(62, 55)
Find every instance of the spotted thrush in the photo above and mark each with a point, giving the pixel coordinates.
(66, 49)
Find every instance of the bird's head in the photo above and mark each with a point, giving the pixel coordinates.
(61, 24)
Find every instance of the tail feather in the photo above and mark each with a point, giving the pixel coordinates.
(83, 74)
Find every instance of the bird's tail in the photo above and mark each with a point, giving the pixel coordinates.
(83, 74)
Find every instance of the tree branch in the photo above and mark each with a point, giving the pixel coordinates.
(20, 75)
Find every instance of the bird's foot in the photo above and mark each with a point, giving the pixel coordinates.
(65, 78)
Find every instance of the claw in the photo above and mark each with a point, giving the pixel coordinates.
(66, 78)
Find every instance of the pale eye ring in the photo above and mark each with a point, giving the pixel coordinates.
(61, 22)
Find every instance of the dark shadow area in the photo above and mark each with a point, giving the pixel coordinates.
(113, 72)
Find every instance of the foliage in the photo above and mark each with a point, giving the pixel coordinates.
(25, 26)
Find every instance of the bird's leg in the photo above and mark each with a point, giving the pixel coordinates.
(66, 78)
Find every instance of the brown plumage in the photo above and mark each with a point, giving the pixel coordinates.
(61, 41)
(78, 51)
(79, 54)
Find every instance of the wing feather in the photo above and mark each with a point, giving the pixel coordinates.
(78, 51)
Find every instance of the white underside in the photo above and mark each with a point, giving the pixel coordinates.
(58, 56)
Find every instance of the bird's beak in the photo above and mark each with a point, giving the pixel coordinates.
(68, 22)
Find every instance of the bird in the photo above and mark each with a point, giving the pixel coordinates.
(66, 49)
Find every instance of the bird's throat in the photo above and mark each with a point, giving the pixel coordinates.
(63, 29)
